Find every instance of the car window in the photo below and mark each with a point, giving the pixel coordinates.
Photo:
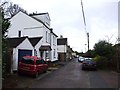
(39, 62)
(28, 60)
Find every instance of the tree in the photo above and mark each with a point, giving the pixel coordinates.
(12, 9)
(105, 49)
(104, 52)
(5, 25)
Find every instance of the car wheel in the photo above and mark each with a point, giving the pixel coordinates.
(83, 68)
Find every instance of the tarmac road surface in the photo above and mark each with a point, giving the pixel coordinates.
(67, 76)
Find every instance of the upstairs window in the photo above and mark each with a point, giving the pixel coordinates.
(46, 36)
(19, 33)
(54, 53)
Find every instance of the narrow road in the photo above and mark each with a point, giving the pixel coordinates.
(71, 76)
(68, 76)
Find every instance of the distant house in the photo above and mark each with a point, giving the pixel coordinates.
(34, 26)
(64, 51)
(69, 50)
(74, 54)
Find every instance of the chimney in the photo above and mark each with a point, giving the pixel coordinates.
(61, 36)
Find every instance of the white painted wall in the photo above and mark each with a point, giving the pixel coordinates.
(62, 48)
(45, 18)
(15, 59)
(21, 21)
(54, 47)
(33, 32)
(37, 47)
(118, 35)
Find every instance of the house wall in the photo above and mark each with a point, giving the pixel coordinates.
(20, 22)
(119, 35)
(62, 56)
(33, 32)
(25, 45)
(118, 22)
(45, 18)
(32, 28)
(62, 48)
(37, 47)
(54, 54)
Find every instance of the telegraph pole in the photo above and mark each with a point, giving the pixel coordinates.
(87, 33)
(88, 40)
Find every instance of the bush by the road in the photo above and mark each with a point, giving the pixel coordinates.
(102, 62)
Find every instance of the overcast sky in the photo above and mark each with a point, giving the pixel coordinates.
(67, 20)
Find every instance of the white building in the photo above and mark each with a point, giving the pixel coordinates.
(118, 22)
(62, 48)
(35, 25)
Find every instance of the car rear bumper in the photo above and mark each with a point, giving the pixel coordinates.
(89, 66)
(29, 72)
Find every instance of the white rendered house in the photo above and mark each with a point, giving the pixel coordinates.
(33, 26)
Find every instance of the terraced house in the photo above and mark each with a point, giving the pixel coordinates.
(32, 27)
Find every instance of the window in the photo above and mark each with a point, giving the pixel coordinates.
(19, 33)
(49, 37)
(54, 40)
(54, 53)
(40, 62)
(28, 61)
(46, 36)
(47, 54)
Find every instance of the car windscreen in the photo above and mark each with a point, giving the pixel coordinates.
(27, 60)
(89, 61)
(40, 62)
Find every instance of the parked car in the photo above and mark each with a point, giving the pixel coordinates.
(81, 59)
(88, 63)
(32, 65)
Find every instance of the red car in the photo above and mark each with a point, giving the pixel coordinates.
(32, 65)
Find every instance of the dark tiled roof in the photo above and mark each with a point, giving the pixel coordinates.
(14, 42)
(62, 41)
(34, 40)
(38, 14)
(45, 48)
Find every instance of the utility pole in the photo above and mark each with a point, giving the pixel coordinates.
(88, 40)
(87, 33)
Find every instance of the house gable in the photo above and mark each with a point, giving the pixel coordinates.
(62, 41)
(20, 22)
(44, 17)
(25, 45)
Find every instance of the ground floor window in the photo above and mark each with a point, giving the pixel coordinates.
(54, 53)
(41, 54)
